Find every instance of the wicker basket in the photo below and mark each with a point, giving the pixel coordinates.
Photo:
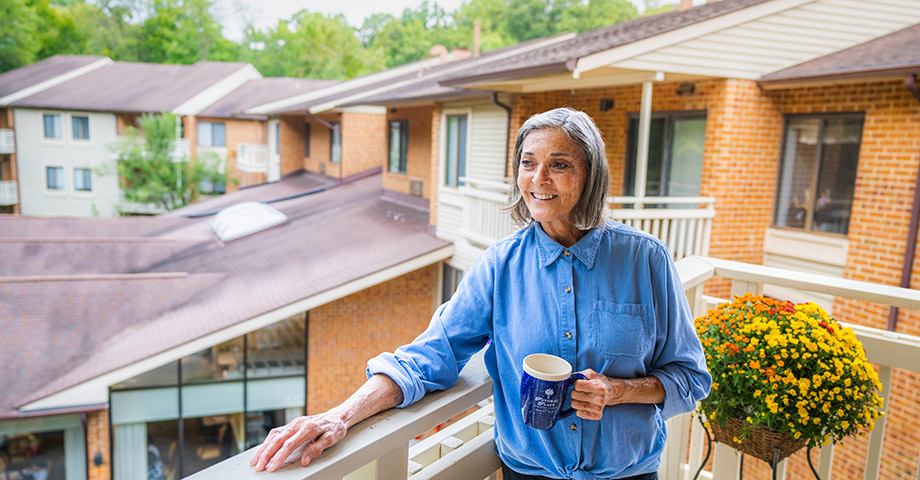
(760, 443)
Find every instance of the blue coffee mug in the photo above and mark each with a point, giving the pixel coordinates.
(545, 384)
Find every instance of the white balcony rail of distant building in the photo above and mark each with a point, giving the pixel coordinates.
(683, 223)
(7, 141)
(252, 157)
(379, 447)
(9, 193)
(181, 149)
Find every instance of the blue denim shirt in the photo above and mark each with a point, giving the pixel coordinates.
(617, 293)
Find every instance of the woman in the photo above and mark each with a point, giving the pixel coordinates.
(601, 295)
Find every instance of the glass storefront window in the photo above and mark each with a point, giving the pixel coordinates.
(163, 450)
(209, 440)
(277, 349)
(223, 362)
(32, 456)
(166, 375)
(258, 425)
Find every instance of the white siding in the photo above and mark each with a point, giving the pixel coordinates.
(34, 153)
(489, 126)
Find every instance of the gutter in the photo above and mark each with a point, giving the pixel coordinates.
(910, 83)
(826, 76)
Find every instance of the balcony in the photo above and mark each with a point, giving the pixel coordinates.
(181, 149)
(9, 193)
(252, 157)
(380, 446)
(7, 141)
(473, 217)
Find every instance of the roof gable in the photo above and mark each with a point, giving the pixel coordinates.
(34, 78)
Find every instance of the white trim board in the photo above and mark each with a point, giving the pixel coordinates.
(52, 82)
(95, 390)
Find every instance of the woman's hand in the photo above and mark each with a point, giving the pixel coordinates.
(589, 397)
(316, 433)
(313, 434)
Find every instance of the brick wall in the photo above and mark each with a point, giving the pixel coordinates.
(433, 177)
(319, 145)
(236, 132)
(292, 143)
(364, 141)
(97, 441)
(419, 153)
(346, 333)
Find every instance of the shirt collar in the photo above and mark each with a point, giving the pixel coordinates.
(584, 249)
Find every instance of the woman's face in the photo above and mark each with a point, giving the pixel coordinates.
(551, 176)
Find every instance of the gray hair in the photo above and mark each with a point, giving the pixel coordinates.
(589, 211)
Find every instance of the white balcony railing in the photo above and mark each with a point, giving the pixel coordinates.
(684, 223)
(252, 157)
(9, 193)
(380, 447)
(7, 141)
(181, 149)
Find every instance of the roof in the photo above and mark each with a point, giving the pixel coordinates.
(890, 55)
(562, 56)
(103, 294)
(418, 76)
(44, 70)
(258, 92)
(133, 87)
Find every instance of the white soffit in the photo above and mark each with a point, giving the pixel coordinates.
(773, 42)
(245, 219)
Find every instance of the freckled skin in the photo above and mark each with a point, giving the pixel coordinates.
(552, 164)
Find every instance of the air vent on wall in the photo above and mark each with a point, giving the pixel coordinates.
(416, 187)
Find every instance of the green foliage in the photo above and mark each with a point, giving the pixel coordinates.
(183, 31)
(309, 45)
(150, 170)
(18, 41)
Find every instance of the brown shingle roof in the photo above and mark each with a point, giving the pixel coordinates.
(29, 75)
(183, 283)
(133, 87)
(259, 92)
(897, 53)
(561, 57)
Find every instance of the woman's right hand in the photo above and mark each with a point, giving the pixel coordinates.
(313, 434)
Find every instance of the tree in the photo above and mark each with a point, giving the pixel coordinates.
(151, 173)
(18, 40)
(309, 45)
(183, 31)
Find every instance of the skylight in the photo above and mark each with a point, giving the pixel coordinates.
(245, 219)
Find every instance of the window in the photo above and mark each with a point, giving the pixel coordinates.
(54, 178)
(450, 279)
(52, 123)
(80, 127)
(335, 142)
(33, 455)
(211, 134)
(208, 186)
(675, 154)
(817, 173)
(83, 180)
(399, 145)
(455, 153)
(306, 140)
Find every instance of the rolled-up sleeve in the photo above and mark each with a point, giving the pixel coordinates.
(458, 329)
(679, 362)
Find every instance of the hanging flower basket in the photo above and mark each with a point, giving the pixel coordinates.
(785, 376)
(760, 442)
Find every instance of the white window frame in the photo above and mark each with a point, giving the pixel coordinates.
(84, 193)
(89, 128)
(198, 134)
(50, 192)
(442, 149)
(53, 141)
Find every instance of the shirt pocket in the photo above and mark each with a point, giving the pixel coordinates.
(621, 329)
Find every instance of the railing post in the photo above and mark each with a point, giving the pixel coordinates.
(825, 461)
(877, 436)
(726, 462)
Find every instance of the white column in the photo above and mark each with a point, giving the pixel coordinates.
(130, 451)
(645, 122)
(74, 454)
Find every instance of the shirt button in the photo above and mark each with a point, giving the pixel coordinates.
(568, 334)
(568, 289)
(573, 427)
(567, 253)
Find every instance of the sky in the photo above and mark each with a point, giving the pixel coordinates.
(266, 13)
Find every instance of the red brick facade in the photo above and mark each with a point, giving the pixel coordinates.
(419, 157)
(97, 441)
(346, 333)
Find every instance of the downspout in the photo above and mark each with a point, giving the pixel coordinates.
(507, 110)
(910, 82)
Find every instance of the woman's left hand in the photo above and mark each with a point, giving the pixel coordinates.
(589, 397)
